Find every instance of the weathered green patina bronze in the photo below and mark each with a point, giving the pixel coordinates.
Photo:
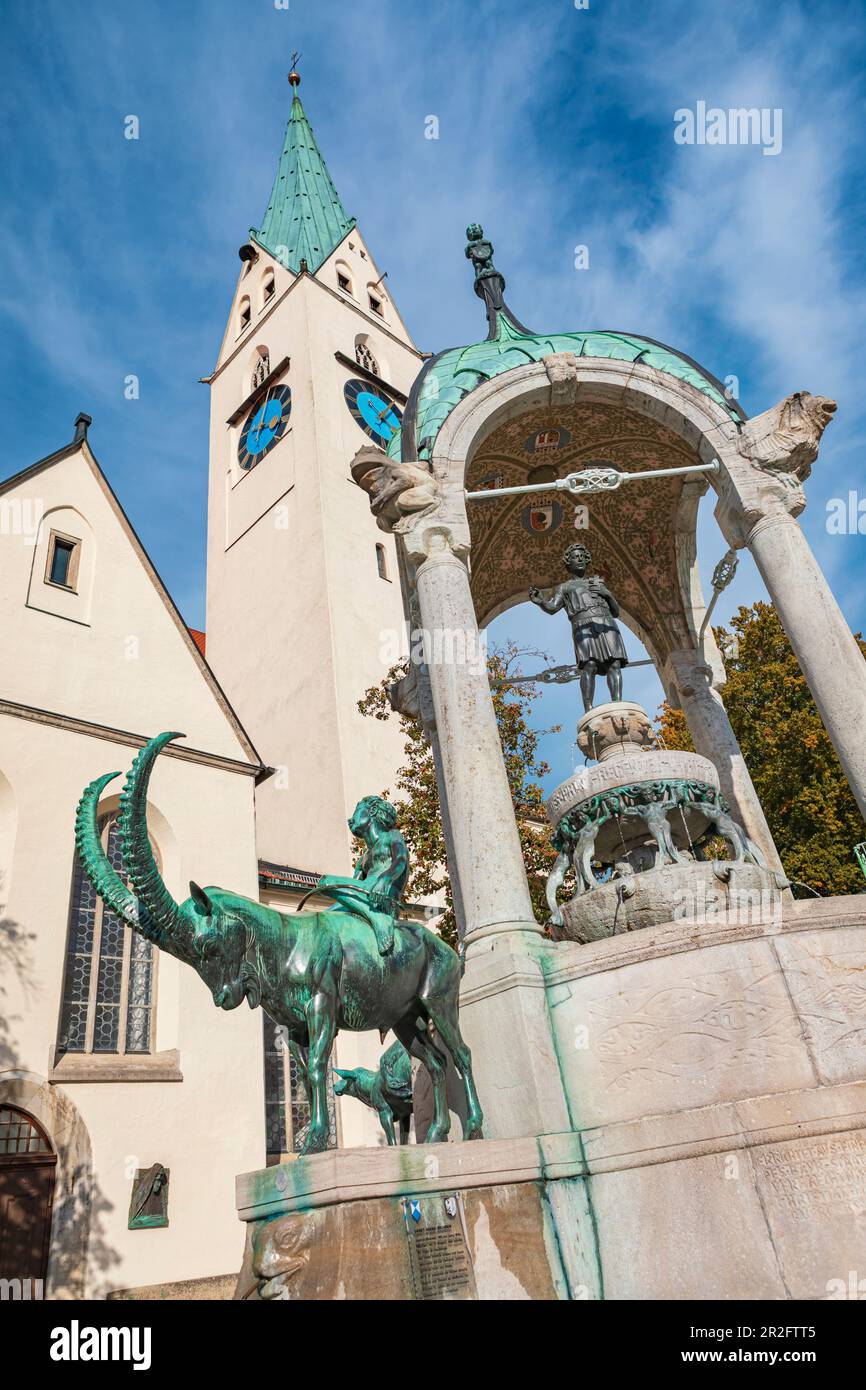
(148, 1207)
(388, 1090)
(376, 890)
(591, 609)
(314, 972)
(648, 805)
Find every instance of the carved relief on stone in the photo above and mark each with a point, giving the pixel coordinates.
(785, 439)
(561, 368)
(697, 1029)
(281, 1252)
(776, 450)
(399, 492)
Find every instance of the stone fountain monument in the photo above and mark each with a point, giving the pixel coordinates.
(677, 1080)
(674, 1091)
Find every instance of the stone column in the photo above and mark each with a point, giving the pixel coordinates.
(503, 1000)
(823, 643)
(760, 496)
(483, 831)
(714, 739)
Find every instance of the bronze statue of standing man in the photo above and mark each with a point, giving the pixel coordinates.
(591, 610)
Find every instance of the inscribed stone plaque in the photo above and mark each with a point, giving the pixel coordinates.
(438, 1250)
(814, 1194)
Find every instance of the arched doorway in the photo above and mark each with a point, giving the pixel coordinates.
(27, 1174)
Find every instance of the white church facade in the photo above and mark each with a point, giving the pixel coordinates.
(112, 1059)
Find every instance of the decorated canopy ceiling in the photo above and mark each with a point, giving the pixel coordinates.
(632, 532)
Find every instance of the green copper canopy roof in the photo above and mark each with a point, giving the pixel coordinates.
(451, 375)
(305, 219)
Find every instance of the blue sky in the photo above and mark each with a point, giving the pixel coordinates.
(555, 129)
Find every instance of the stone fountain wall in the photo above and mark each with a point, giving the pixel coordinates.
(714, 1080)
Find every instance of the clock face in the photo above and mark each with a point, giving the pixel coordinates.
(377, 415)
(265, 426)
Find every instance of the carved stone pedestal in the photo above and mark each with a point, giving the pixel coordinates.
(712, 1144)
(427, 1222)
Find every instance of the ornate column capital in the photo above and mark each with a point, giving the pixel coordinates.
(399, 492)
(407, 501)
(765, 466)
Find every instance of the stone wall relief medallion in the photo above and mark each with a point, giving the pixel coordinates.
(148, 1206)
(696, 1029)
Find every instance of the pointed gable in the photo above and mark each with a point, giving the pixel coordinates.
(109, 649)
(305, 219)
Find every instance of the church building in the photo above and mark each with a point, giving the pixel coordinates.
(126, 1107)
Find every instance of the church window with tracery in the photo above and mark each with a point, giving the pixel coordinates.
(108, 988)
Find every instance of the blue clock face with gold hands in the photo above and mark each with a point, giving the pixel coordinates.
(376, 413)
(265, 426)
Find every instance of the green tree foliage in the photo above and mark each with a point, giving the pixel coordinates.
(808, 804)
(417, 798)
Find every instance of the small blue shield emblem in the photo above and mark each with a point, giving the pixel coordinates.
(415, 1210)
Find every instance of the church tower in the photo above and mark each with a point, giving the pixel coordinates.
(303, 595)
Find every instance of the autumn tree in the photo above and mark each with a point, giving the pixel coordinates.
(416, 795)
(808, 804)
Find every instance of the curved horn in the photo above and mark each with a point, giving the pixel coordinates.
(95, 862)
(151, 892)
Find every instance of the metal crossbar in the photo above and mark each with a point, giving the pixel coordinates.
(590, 480)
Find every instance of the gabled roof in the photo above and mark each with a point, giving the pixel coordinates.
(305, 219)
(81, 444)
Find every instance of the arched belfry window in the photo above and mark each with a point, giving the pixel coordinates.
(364, 356)
(108, 990)
(261, 367)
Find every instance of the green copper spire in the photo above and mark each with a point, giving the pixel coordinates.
(305, 219)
